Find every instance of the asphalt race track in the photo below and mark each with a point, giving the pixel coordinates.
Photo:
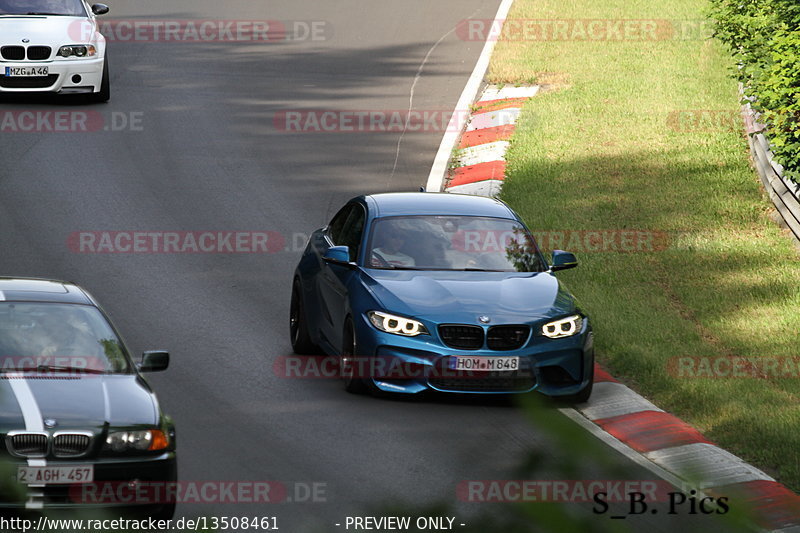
(189, 143)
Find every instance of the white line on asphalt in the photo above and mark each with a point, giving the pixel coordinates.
(411, 99)
(439, 169)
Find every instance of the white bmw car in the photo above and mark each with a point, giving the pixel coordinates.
(53, 46)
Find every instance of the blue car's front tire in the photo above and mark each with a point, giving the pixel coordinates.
(298, 324)
(583, 395)
(349, 362)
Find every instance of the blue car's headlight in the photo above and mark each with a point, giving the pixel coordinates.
(565, 327)
(396, 324)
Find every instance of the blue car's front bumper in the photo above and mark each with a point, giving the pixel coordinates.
(554, 367)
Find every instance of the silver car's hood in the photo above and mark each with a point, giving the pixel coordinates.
(47, 30)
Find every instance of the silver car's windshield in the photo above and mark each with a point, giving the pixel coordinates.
(453, 243)
(70, 8)
(55, 336)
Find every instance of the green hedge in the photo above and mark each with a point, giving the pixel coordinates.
(764, 37)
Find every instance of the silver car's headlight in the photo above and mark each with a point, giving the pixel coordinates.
(396, 324)
(565, 327)
(77, 50)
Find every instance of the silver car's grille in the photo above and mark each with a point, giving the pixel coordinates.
(39, 53)
(13, 53)
(28, 444)
(70, 444)
(33, 53)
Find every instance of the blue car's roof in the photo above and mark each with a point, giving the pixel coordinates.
(427, 203)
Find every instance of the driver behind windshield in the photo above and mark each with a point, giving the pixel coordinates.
(388, 253)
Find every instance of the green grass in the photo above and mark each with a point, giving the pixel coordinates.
(598, 152)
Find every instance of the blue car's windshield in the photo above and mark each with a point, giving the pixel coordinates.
(73, 8)
(453, 243)
(52, 336)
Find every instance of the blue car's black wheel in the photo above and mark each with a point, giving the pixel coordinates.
(349, 364)
(298, 325)
(583, 395)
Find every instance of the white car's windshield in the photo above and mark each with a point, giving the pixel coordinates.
(453, 243)
(70, 8)
(54, 336)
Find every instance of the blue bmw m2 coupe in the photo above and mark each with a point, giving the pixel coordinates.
(436, 291)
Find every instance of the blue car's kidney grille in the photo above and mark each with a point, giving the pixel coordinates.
(462, 337)
(507, 337)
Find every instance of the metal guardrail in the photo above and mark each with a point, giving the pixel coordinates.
(784, 194)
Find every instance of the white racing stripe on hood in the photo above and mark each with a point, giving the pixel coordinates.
(29, 407)
(27, 403)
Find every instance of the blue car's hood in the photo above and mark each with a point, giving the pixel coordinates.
(464, 296)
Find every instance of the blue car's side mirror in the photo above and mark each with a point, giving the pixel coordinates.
(337, 254)
(563, 260)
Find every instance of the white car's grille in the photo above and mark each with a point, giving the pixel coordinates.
(13, 53)
(39, 53)
(19, 53)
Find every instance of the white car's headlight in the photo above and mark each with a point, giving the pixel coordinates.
(77, 50)
(144, 440)
(565, 327)
(396, 324)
